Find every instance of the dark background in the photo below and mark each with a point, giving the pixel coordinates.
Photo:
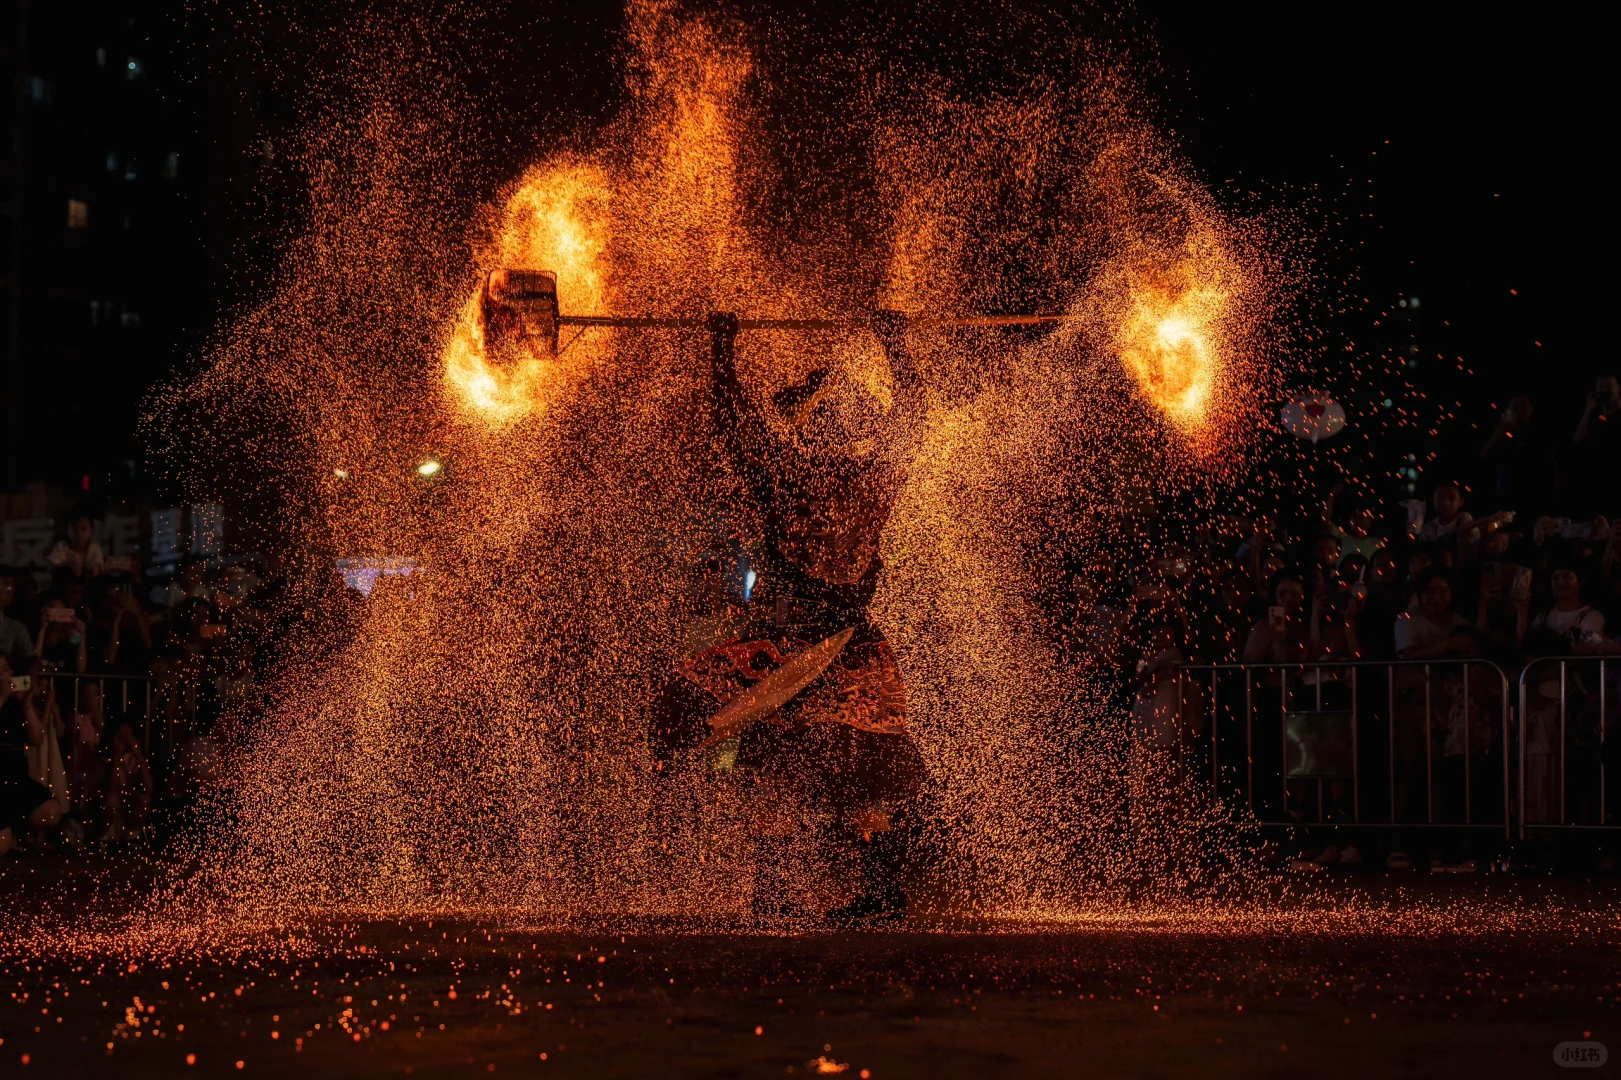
(1447, 155)
(1454, 155)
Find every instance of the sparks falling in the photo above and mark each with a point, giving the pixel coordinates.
(492, 715)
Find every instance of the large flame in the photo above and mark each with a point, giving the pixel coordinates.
(557, 219)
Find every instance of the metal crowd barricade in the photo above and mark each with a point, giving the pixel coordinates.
(1574, 696)
(138, 687)
(1353, 677)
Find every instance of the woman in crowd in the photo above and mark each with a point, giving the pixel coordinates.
(1167, 715)
(87, 766)
(1451, 521)
(79, 552)
(1425, 695)
(1568, 626)
(129, 788)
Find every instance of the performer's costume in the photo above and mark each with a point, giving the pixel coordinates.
(837, 750)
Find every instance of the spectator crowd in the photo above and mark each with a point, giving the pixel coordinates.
(117, 688)
(1525, 568)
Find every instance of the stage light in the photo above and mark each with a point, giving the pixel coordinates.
(341, 474)
(429, 468)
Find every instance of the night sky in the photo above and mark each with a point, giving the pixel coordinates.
(1471, 143)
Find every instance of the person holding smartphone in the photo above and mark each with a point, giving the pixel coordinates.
(1570, 625)
(122, 632)
(61, 640)
(1283, 636)
(24, 801)
(1598, 446)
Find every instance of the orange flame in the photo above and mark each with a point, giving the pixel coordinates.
(1168, 340)
(556, 220)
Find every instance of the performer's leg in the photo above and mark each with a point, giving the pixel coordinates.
(883, 782)
(677, 723)
(781, 783)
(776, 893)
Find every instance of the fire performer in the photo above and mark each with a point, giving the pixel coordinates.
(813, 695)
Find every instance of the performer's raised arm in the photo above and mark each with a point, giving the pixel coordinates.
(748, 440)
(890, 327)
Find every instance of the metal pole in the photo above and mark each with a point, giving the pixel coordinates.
(1179, 713)
(1468, 806)
(1523, 673)
(1508, 834)
(1249, 741)
(654, 322)
(73, 733)
(1429, 765)
(1603, 707)
(1356, 761)
(1390, 748)
(1283, 735)
(1562, 693)
(1319, 673)
(146, 722)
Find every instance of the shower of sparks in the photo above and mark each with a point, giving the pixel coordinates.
(472, 737)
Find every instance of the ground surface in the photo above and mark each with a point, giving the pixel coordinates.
(1497, 972)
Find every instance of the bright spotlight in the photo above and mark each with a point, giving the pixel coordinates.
(428, 468)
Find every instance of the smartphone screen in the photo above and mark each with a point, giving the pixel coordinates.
(20, 684)
(1278, 616)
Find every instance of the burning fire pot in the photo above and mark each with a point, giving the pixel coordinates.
(519, 308)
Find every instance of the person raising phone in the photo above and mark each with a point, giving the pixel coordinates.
(61, 640)
(24, 801)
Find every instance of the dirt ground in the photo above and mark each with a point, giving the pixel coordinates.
(929, 998)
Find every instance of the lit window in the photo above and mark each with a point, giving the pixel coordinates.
(171, 165)
(38, 89)
(128, 319)
(101, 57)
(78, 214)
(112, 161)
